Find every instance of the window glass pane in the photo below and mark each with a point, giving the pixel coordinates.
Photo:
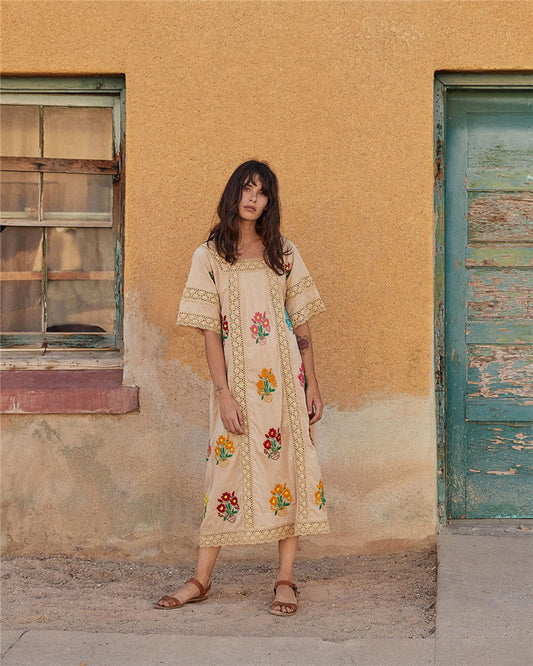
(19, 195)
(78, 133)
(81, 250)
(19, 131)
(81, 281)
(73, 196)
(20, 288)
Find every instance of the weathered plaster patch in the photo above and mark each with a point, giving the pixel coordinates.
(132, 485)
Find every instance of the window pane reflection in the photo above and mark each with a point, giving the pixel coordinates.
(19, 195)
(81, 306)
(21, 306)
(81, 250)
(78, 133)
(19, 131)
(20, 288)
(81, 285)
(77, 197)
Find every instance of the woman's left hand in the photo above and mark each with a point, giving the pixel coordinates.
(315, 406)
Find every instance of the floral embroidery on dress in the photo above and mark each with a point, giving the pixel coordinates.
(288, 269)
(212, 276)
(224, 328)
(228, 506)
(280, 500)
(272, 443)
(206, 500)
(266, 385)
(288, 321)
(320, 498)
(301, 376)
(208, 454)
(260, 327)
(224, 450)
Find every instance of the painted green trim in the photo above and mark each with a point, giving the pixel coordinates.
(49, 99)
(51, 84)
(484, 79)
(58, 340)
(438, 340)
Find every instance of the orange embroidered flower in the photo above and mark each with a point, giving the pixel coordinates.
(280, 500)
(266, 385)
(224, 451)
(320, 498)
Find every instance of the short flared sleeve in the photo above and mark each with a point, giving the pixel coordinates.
(302, 299)
(200, 304)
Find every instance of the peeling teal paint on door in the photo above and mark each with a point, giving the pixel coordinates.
(489, 303)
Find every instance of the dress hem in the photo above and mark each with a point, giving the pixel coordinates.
(264, 536)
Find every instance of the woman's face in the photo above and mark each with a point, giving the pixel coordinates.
(253, 200)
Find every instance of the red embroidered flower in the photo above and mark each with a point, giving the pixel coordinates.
(272, 432)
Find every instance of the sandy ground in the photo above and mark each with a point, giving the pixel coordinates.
(341, 598)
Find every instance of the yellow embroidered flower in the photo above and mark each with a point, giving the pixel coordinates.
(318, 497)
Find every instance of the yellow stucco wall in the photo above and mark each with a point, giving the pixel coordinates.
(338, 97)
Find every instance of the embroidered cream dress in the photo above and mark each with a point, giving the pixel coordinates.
(264, 485)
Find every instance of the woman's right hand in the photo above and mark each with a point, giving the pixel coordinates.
(230, 412)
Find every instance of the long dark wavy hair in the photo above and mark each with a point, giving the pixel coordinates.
(225, 233)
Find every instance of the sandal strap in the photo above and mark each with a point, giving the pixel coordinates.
(203, 591)
(285, 582)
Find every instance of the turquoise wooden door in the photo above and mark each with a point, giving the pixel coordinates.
(489, 303)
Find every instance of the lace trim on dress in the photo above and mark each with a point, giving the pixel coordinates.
(193, 294)
(198, 321)
(307, 528)
(312, 308)
(298, 288)
(292, 404)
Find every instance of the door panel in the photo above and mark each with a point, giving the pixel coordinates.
(489, 303)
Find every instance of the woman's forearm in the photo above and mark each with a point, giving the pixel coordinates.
(305, 345)
(216, 362)
(230, 412)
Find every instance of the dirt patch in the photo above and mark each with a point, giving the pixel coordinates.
(341, 598)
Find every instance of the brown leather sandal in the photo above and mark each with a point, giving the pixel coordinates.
(176, 603)
(275, 609)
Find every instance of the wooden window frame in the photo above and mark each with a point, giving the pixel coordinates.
(76, 91)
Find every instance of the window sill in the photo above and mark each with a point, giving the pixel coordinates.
(65, 383)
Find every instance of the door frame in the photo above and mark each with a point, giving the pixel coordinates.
(444, 82)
